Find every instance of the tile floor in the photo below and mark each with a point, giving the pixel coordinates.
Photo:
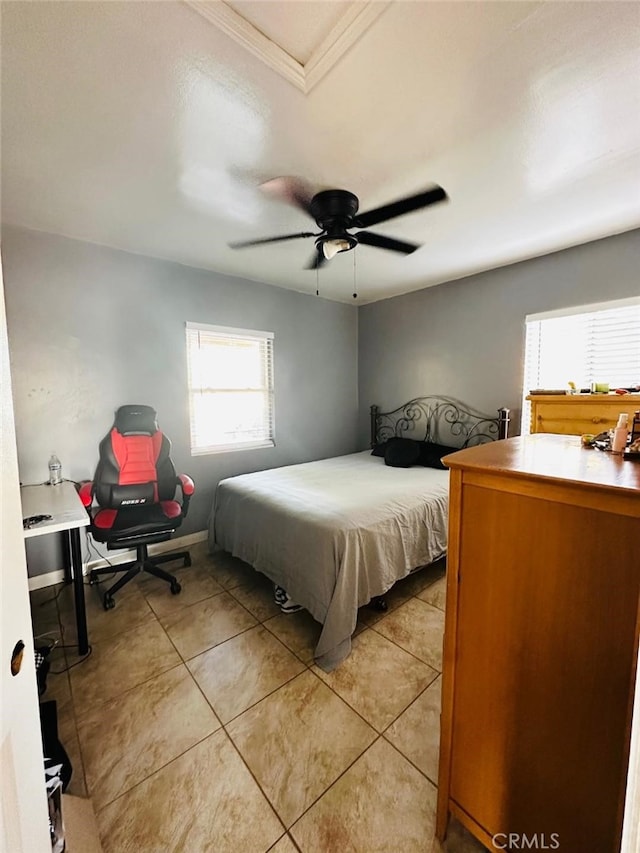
(200, 722)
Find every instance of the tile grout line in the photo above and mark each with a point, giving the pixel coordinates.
(378, 736)
(337, 779)
(155, 772)
(373, 628)
(307, 667)
(183, 662)
(237, 749)
(406, 758)
(85, 786)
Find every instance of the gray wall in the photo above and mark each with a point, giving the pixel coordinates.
(465, 339)
(91, 328)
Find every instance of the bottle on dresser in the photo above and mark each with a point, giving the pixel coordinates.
(634, 440)
(620, 434)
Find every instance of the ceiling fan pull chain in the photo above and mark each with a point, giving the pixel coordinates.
(355, 295)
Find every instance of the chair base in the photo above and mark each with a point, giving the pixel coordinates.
(142, 563)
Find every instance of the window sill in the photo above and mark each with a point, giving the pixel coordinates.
(231, 448)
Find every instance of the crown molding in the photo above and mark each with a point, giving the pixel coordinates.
(245, 34)
(353, 24)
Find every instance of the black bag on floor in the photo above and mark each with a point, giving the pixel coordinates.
(42, 667)
(51, 745)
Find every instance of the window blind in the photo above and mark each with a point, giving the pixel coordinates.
(231, 395)
(591, 343)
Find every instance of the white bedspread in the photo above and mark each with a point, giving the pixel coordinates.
(334, 533)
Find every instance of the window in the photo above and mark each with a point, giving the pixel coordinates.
(230, 388)
(591, 343)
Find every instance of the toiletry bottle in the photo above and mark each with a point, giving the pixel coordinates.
(620, 433)
(635, 426)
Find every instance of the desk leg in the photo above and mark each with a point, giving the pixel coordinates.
(66, 556)
(78, 589)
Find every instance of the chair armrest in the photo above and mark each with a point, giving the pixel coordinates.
(188, 488)
(86, 494)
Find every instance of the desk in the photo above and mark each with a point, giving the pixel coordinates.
(68, 515)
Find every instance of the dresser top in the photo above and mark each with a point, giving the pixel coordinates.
(625, 401)
(554, 457)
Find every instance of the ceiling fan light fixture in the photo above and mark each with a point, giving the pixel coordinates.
(332, 246)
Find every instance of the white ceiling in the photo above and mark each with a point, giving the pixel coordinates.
(148, 127)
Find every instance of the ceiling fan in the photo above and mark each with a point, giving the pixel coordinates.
(336, 213)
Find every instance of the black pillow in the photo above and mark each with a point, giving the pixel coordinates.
(402, 452)
(379, 449)
(430, 454)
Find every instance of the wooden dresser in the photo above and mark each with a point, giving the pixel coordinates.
(541, 639)
(579, 413)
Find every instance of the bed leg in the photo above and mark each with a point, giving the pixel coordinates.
(379, 602)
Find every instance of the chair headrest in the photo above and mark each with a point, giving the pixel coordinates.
(136, 420)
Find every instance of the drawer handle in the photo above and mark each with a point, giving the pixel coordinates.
(598, 420)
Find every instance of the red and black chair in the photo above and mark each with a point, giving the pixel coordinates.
(135, 488)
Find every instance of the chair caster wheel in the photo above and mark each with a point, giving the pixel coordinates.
(175, 588)
(187, 562)
(108, 602)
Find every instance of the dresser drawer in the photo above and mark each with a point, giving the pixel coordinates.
(578, 415)
(574, 420)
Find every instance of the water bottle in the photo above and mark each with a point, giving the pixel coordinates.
(55, 470)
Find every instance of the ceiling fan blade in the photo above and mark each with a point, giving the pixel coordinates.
(317, 261)
(382, 242)
(242, 244)
(291, 190)
(398, 208)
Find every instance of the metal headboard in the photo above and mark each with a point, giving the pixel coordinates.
(442, 420)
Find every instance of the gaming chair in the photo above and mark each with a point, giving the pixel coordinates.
(135, 488)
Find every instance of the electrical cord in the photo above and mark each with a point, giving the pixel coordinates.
(54, 597)
(76, 483)
(70, 646)
(50, 634)
(92, 547)
(56, 644)
(71, 665)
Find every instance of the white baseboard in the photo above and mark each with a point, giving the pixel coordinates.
(116, 557)
(47, 579)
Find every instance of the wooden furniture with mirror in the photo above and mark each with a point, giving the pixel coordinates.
(576, 414)
(541, 637)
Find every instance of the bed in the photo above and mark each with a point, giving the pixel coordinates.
(338, 533)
